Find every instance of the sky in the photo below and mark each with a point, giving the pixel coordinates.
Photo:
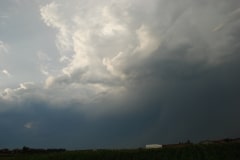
(81, 74)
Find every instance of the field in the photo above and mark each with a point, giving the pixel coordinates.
(230, 151)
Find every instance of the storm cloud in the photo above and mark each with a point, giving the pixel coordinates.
(112, 74)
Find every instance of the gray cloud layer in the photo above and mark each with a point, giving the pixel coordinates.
(130, 73)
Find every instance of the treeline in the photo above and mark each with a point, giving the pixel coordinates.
(221, 141)
(189, 143)
(30, 150)
(227, 151)
(224, 151)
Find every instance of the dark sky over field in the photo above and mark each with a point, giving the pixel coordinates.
(118, 73)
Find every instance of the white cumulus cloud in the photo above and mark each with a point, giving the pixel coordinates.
(3, 47)
(97, 42)
(5, 72)
(29, 125)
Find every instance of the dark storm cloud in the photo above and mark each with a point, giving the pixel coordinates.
(175, 102)
(192, 101)
(183, 85)
(66, 128)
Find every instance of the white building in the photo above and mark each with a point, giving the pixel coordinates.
(153, 146)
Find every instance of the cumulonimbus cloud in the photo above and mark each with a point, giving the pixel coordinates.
(128, 73)
(98, 43)
(107, 46)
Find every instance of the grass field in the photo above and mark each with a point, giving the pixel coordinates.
(190, 152)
